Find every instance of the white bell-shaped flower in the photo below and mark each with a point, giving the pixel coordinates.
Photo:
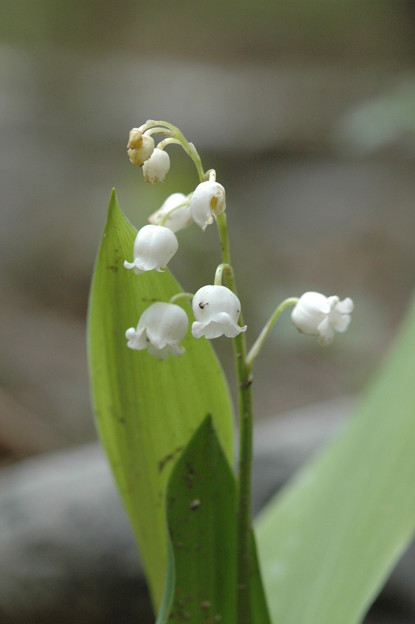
(207, 202)
(177, 208)
(322, 316)
(154, 247)
(157, 166)
(216, 310)
(160, 329)
(139, 147)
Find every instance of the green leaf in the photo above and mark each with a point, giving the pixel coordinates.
(201, 510)
(201, 504)
(259, 607)
(329, 541)
(146, 409)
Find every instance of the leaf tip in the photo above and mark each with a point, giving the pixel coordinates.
(113, 205)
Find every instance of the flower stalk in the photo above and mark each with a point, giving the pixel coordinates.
(245, 397)
(220, 271)
(181, 295)
(216, 309)
(259, 343)
(168, 129)
(245, 400)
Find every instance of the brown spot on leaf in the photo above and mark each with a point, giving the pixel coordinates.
(165, 460)
(189, 477)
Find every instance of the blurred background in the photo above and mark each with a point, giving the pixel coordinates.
(307, 112)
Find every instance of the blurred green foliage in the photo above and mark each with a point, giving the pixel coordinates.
(265, 29)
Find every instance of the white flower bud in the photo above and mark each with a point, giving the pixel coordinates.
(216, 310)
(321, 316)
(139, 147)
(154, 247)
(179, 218)
(207, 202)
(157, 166)
(160, 329)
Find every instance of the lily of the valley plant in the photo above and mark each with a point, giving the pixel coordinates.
(165, 419)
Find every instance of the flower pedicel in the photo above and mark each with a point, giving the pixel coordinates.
(174, 213)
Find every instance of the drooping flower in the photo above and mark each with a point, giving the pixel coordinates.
(216, 310)
(207, 202)
(154, 247)
(157, 166)
(177, 208)
(139, 147)
(160, 329)
(322, 316)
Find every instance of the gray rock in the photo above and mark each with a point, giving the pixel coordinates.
(66, 549)
(67, 552)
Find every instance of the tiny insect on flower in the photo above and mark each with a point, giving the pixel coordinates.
(216, 310)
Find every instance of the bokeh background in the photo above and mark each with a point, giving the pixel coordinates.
(307, 112)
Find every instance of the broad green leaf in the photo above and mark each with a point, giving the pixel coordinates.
(201, 504)
(146, 409)
(260, 613)
(201, 512)
(329, 541)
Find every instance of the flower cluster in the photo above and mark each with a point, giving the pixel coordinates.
(216, 308)
(163, 325)
(201, 207)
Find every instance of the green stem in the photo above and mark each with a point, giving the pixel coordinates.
(181, 295)
(157, 130)
(166, 216)
(244, 517)
(259, 343)
(244, 514)
(191, 151)
(164, 127)
(168, 141)
(223, 269)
